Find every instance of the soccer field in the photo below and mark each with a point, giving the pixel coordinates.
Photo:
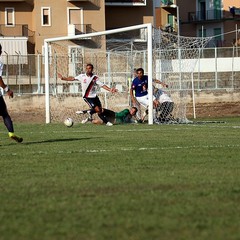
(121, 182)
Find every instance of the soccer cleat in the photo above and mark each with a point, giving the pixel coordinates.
(109, 124)
(79, 112)
(15, 137)
(86, 120)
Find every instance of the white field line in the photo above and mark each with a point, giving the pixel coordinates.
(137, 130)
(176, 127)
(125, 149)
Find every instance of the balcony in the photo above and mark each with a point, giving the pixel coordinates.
(200, 16)
(17, 30)
(76, 29)
(27, 1)
(125, 3)
(93, 2)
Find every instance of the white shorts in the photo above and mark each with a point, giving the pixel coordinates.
(144, 100)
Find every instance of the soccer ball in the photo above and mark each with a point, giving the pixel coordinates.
(68, 122)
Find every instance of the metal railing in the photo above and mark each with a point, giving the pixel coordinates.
(217, 68)
(83, 28)
(205, 15)
(17, 30)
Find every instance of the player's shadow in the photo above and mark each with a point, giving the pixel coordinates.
(56, 140)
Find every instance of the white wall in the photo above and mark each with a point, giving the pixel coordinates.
(204, 65)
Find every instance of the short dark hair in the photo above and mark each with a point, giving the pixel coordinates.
(140, 69)
(89, 64)
(136, 110)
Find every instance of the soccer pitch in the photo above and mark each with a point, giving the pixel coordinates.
(121, 182)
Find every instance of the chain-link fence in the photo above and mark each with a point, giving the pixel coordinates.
(216, 68)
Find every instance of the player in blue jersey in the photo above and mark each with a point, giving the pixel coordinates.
(140, 88)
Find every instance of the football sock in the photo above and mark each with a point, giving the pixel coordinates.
(8, 123)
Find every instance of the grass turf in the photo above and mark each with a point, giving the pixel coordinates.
(121, 182)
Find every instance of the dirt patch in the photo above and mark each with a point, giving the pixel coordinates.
(36, 116)
(212, 110)
(216, 110)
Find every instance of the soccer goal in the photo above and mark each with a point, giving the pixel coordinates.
(115, 54)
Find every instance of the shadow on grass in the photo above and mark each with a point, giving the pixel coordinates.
(54, 141)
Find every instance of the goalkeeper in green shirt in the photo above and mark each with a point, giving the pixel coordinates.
(122, 117)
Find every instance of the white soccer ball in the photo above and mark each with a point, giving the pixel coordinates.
(68, 122)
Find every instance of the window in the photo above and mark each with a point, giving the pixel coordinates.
(218, 39)
(171, 19)
(46, 16)
(9, 17)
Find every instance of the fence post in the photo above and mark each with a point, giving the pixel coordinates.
(233, 59)
(216, 73)
(38, 74)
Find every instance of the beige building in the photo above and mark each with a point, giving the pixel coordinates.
(24, 24)
(202, 18)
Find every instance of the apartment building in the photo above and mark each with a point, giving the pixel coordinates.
(36, 20)
(130, 12)
(24, 24)
(202, 18)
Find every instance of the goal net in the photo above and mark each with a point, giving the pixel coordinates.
(175, 58)
(115, 54)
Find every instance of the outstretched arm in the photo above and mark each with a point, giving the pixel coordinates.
(160, 82)
(112, 90)
(133, 99)
(65, 78)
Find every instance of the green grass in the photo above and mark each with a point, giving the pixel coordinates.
(121, 182)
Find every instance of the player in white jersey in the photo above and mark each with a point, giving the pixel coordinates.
(165, 107)
(90, 83)
(3, 108)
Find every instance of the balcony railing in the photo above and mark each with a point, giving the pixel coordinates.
(209, 15)
(83, 28)
(17, 30)
(125, 2)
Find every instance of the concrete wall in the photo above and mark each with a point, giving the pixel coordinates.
(31, 108)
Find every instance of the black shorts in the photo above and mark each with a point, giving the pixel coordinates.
(93, 102)
(110, 115)
(3, 107)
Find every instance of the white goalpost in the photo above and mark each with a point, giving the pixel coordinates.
(115, 54)
(47, 42)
